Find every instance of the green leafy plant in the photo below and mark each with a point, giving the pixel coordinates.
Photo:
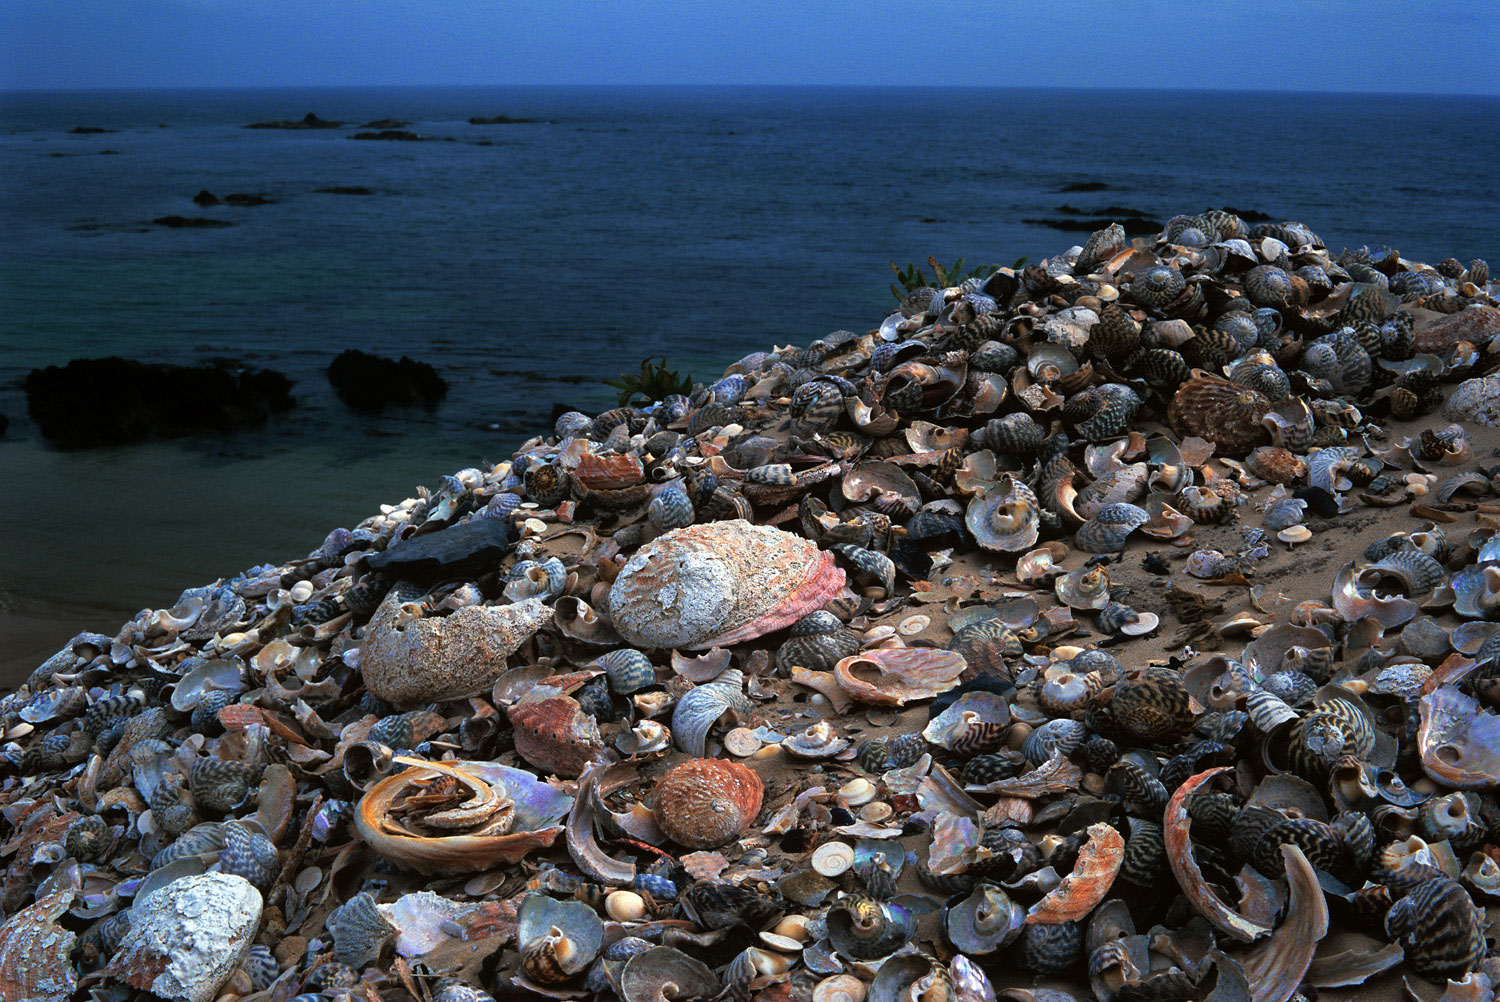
(912, 277)
(656, 382)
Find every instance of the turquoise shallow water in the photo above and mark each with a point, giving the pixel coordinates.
(527, 262)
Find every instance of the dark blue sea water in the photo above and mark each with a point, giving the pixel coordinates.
(527, 262)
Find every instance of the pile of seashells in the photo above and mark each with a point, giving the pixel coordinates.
(1008, 641)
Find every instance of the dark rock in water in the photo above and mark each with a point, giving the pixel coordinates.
(4, 423)
(385, 123)
(500, 120)
(109, 401)
(479, 542)
(88, 130)
(399, 135)
(344, 189)
(369, 382)
(1250, 215)
(191, 222)
(308, 121)
(205, 197)
(242, 199)
(1108, 210)
(1085, 186)
(1133, 227)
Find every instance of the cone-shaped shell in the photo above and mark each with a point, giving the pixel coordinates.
(895, 676)
(1223, 412)
(432, 658)
(555, 735)
(720, 583)
(706, 803)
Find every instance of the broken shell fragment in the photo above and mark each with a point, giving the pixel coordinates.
(893, 677)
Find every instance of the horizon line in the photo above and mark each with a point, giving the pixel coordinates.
(18, 91)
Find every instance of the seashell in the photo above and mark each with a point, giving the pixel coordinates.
(530, 579)
(1054, 737)
(833, 858)
(1223, 412)
(718, 584)
(250, 854)
(1185, 867)
(1418, 573)
(705, 705)
(1084, 588)
(1092, 876)
(188, 937)
(839, 988)
(666, 974)
(870, 562)
(556, 939)
(1475, 401)
(894, 677)
(360, 931)
(1064, 693)
(1107, 531)
(647, 738)
(87, 839)
(973, 724)
(509, 814)
(1291, 425)
(984, 922)
(1157, 286)
(816, 741)
(1459, 743)
(1285, 513)
(430, 659)
(1440, 928)
(1050, 949)
(36, 953)
(1203, 505)
(219, 785)
(1004, 517)
(706, 803)
(555, 735)
(62, 703)
(861, 928)
(1276, 465)
(628, 670)
(670, 509)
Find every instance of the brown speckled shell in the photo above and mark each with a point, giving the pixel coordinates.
(706, 803)
(555, 735)
(1476, 325)
(1225, 413)
(1276, 465)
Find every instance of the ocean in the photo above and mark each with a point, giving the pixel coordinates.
(527, 262)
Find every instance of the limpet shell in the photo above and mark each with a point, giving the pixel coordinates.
(706, 803)
(913, 625)
(741, 741)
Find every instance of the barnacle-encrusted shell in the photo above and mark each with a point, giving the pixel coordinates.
(719, 583)
(705, 803)
(36, 953)
(188, 937)
(430, 658)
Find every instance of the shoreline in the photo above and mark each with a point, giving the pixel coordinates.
(1008, 498)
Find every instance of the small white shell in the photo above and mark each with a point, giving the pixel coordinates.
(625, 906)
(742, 742)
(783, 943)
(840, 988)
(913, 625)
(1295, 534)
(833, 858)
(857, 792)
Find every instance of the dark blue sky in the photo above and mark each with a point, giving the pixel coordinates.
(1432, 46)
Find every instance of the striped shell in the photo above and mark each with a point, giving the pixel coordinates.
(974, 724)
(628, 670)
(1270, 286)
(1107, 531)
(360, 930)
(1440, 927)
(1152, 707)
(1223, 412)
(720, 583)
(1157, 286)
(670, 509)
(706, 803)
